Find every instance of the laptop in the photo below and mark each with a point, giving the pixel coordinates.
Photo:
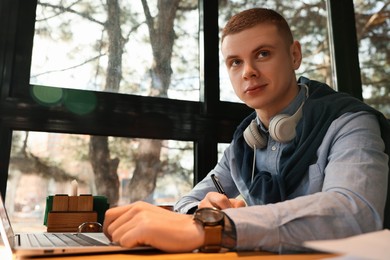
(46, 243)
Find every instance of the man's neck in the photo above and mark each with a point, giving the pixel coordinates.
(265, 115)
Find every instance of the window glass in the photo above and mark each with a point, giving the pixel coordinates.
(42, 164)
(126, 48)
(308, 22)
(221, 149)
(372, 26)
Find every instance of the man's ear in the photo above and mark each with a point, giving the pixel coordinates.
(296, 54)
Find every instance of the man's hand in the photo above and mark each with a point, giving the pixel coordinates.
(220, 201)
(140, 224)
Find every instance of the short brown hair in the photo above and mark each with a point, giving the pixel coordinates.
(252, 17)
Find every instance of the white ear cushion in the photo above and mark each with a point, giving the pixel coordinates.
(282, 128)
(253, 137)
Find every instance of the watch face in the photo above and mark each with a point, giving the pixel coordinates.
(209, 216)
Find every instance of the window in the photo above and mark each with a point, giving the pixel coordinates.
(44, 164)
(372, 25)
(125, 48)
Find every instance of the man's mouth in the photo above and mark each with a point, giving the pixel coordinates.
(254, 88)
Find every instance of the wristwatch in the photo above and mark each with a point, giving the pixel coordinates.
(212, 220)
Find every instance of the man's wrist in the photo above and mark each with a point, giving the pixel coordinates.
(229, 236)
(212, 222)
(227, 232)
(192, 210)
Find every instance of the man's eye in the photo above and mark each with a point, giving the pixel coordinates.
(235, 63)
(263, 54)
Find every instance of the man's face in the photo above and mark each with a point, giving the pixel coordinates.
(261, 66)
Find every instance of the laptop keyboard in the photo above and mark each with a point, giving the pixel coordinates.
(62, 240)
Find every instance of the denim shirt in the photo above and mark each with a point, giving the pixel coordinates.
(342, 194)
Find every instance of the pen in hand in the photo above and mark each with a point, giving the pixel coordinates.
(218, 184)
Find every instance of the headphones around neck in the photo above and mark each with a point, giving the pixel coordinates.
(281, 128)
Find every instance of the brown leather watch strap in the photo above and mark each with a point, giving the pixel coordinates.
(213, 238)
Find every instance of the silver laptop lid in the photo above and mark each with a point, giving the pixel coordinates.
(7, 234)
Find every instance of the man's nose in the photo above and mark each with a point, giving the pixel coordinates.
(250, 71)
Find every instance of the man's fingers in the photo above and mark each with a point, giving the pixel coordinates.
(215, 199)
(237, 203)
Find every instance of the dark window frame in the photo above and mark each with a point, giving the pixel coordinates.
(206, 123)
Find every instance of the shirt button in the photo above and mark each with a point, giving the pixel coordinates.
(273, 148)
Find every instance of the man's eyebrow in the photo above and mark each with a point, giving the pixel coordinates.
(263, 46)
(258, 48)
(230, 57)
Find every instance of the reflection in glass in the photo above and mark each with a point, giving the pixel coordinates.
(44, 164)
(119, 46)
(308, 22)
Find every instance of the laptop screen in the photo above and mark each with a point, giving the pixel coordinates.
(6, 231)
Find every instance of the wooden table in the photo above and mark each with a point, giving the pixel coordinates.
(213, 256)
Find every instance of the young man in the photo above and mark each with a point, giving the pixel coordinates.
(309, 163)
